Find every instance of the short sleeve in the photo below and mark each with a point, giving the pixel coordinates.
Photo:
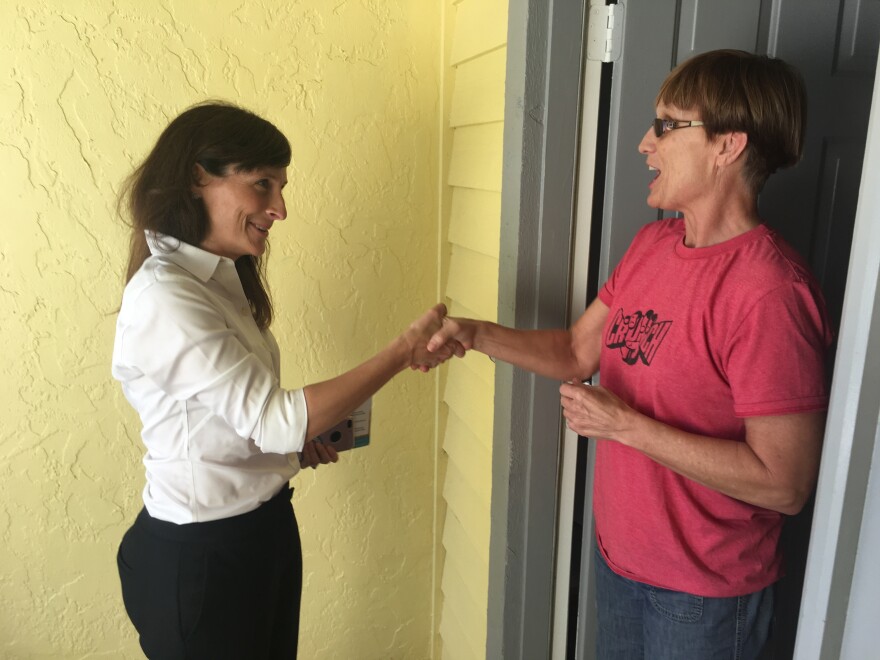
(775, 358)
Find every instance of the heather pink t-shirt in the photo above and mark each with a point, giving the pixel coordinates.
(700, 338)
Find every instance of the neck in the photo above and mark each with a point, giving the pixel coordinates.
(726, 218)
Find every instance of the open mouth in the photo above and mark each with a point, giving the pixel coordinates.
(260, 228)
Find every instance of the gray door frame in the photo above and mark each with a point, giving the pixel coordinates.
(542, 101)
(542, 106)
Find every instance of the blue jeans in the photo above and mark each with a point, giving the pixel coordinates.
(639, 622)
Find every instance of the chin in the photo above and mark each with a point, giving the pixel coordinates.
(255, 251)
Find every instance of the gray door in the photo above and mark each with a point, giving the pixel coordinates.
(834, 44)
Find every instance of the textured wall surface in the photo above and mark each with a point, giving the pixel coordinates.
(85, 88)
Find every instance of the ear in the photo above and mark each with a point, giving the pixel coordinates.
(732, 145)
(200, 177)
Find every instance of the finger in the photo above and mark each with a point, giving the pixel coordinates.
(312, 453)
(433, 318)
(321, 453)
(306, 456)
(456, 347)
(326, 453)
(568, 389)
(437, 340)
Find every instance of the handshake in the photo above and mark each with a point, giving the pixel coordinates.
(435, 337)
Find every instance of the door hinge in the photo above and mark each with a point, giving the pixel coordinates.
(605, 32)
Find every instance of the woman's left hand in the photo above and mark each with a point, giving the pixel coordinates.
(595, 412)
(315, 453)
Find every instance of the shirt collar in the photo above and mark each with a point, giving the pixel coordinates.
(197, 261)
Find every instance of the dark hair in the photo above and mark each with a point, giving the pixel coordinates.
(738, 91)
(158, 194)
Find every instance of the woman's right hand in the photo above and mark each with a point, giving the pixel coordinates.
(456, 332)
(418, 334)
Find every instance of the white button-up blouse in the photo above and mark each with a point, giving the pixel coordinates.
(221, 434)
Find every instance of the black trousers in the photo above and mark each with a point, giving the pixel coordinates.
(221, 589)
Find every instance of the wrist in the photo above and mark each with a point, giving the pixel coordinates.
(402, 351)
(636, 426)
(476, 336)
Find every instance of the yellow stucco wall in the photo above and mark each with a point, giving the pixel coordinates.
(85, 88)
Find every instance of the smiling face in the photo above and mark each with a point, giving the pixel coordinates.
(684, 160)
(241, 208)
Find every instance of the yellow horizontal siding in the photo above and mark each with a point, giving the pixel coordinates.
(474, 220)
(457, 308)
(470, 397)
(469, 584)
(465, 559)
(476, 158)
(466, 611)
(462, 502)
(456, 642)
(473, 280)
(471, 453)
(480, 26)
(478, 96)
(456, 541)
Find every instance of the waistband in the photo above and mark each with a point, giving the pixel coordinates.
(264, 518)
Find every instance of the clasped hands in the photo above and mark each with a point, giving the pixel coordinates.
(429, 328)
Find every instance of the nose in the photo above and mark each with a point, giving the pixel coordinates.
(648, 141)
(277, 209)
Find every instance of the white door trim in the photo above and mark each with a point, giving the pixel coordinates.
(579, 269)
(841, 515)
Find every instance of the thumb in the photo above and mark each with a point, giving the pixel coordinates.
(434, 342)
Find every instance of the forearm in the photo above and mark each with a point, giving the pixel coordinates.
(727, 466)
(331, 401)
(549, 353)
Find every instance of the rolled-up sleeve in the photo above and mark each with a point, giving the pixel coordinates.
(178, 339)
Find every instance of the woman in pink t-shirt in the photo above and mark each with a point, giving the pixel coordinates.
(710, 338)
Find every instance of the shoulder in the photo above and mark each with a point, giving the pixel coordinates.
(775, 283)
(783, 257)
(159, 283)
(769, 262)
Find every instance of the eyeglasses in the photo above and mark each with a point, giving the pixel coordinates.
(661, 126)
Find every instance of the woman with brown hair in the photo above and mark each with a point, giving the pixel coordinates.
(212, 567)
(709, 339)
